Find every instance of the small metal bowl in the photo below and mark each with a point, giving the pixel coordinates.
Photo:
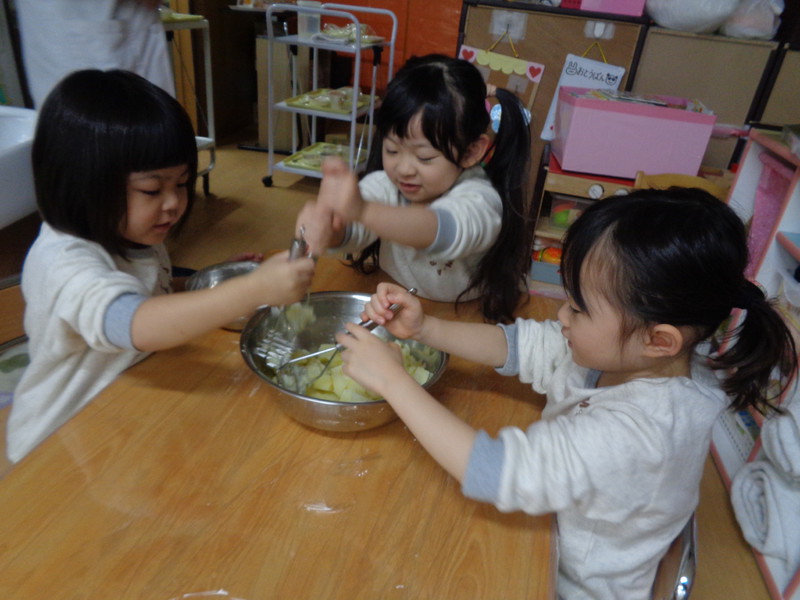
(332, 310)
(213, 275)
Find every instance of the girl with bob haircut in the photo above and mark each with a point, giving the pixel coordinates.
(632, 372)
(442, 207)
(115, 165)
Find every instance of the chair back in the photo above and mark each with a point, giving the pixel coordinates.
(676, 571)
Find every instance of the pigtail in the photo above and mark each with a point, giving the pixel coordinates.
(760, 344)
(502, 272)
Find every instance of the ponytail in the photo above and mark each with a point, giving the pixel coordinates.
(502, 272)
(760, 343)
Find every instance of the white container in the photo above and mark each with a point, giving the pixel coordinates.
(308, 24)
(17, 197)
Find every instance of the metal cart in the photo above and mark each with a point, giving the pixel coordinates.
(359, 106)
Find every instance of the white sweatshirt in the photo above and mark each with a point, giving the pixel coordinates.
(68, 283)
(620, 466)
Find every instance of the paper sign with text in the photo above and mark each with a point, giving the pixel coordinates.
(584, 73)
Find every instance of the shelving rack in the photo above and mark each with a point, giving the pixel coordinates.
(356, 150)
(774, 225)
(564, 187)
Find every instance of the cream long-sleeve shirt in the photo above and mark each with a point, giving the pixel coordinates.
(470, 217)
(68, 284)
(619, 466)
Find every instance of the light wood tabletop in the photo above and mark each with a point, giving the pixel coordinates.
(184, 478)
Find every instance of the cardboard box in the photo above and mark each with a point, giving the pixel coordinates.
(634, 8)
(610, 133)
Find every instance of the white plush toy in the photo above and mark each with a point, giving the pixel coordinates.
(754, 19)
(694, 16)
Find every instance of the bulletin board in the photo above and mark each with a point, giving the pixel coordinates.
(723, 73)
(546, 38)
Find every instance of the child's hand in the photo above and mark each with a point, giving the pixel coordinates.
(241, 256)
(404, 324)
(372, 362)
(284, 281)
(319, 226)
(339, 191)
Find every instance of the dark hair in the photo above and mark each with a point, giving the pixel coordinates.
(94, 129)
(450, 94)
(678, 257)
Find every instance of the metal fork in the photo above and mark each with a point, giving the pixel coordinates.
(275, 347)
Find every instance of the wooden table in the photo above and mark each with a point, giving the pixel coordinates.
(184, 477)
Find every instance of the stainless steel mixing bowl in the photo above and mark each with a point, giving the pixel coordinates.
(332, 310)
(213, 275)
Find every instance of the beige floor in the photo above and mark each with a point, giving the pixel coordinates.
(242, 215)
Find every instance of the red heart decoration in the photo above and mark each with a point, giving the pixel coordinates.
(533, 72)
(467, 54)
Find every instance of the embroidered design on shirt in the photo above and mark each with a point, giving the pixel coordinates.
(443, 268)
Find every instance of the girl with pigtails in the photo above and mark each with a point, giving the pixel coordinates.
(442, 207)
(633, 376)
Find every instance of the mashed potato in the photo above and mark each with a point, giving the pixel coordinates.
(304, 376)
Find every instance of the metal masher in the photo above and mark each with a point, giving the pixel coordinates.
(368, 324)
(281, 338)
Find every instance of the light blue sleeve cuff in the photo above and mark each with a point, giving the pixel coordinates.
(445, 232)
(512, 359)
(119, 317)
(482, 478)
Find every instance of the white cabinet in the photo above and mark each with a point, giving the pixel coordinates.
(351, 104)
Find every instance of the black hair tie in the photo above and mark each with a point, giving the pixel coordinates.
(749, 293)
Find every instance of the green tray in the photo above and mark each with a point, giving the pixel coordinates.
(311, 158)
(313, 101)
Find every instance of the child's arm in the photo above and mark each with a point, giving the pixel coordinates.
(172, 319)
(477, 342)
(410, 225)
(378, 366)
(319, 227)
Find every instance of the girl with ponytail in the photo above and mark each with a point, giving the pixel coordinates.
(442, 208)
(632, 371)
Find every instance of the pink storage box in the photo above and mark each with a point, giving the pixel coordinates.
(634, 8)
(618, 138)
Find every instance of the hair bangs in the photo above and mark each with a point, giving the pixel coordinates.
(436, 104)
(94, 130)
(149, 143)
